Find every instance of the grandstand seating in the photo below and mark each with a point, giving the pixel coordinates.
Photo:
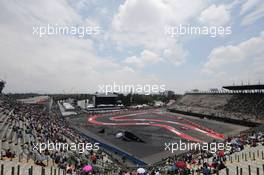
(212, 101)
(244, 106)
(23, 125)
(247, 104)
(252, 157)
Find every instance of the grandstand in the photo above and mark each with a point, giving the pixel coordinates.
(105, 100)
(36, 100)
(237, 102)
(24, 124)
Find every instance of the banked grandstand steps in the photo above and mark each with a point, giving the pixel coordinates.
(21, 163)
(238, 106)
(21, 160)
(28, 167)
(250, 161)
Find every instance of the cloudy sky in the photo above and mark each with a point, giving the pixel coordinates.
(132, 47)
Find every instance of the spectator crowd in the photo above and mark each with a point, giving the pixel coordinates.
(204, 162)
(32, 124)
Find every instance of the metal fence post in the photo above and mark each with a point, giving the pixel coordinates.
(13, 171)
(227, 171)
(42, 171)
(2, 169)
(18, 169)
(257, 171)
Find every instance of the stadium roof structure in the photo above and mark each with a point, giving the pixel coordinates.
(245, 87)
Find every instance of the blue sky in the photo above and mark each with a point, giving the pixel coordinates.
(132, 47)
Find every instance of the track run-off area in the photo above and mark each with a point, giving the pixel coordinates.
(156, 118)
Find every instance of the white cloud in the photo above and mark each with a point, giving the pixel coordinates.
(215, 15)
(249, 5)
(255, 11)
(56, 63)
(242, 61)
(137, 15)
(146, 58)
(175, 55)
(52, 63)
(39, 12)
(141, 24)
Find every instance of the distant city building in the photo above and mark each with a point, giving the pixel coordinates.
(158, 103)
(195, 90)
(83, 104)
(169, 93)
(214, 90)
